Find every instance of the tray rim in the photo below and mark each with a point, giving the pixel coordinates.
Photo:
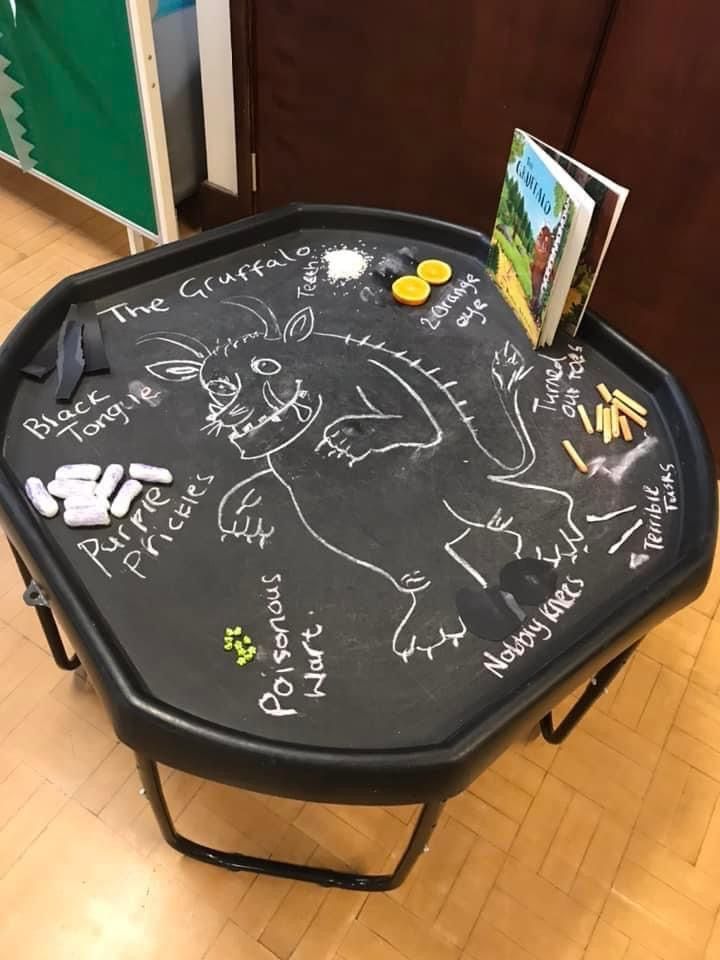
(392, 775)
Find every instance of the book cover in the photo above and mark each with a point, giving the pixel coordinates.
(609, 198)
(534, 219)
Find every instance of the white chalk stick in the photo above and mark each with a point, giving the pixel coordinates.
(78, 471)
(143, 471)
(125, 496)
(93, 516)
(81, 503)
(37, 494)
(71, 488)
(107, 484)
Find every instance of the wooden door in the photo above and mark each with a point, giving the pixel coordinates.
(411, 105)
(652, 123)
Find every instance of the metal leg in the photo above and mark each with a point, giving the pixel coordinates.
(592, 692)
(34, 597)
(425, 825)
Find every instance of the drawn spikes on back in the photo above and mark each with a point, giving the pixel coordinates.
(508, 358)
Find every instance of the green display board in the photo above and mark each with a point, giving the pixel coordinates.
(5, 141)
(78, 101)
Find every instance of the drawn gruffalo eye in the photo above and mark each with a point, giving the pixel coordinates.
(265, 366)
(222, 388)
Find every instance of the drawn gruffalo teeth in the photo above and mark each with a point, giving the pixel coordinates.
(303, 411)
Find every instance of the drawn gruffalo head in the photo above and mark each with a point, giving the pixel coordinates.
(254, 395)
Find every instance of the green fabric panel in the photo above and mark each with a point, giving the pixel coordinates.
(6, 29)
(5, 144)
(80, 100)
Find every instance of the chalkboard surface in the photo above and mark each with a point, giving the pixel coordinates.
(354, 483)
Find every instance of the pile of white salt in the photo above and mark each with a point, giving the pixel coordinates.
(343, 264)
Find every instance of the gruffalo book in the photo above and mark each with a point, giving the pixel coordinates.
(609, 198)
(553, 226)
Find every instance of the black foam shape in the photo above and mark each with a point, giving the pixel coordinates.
(96, 360)
(529, 580)
(70, 359)
(486, 614)
(43, 362)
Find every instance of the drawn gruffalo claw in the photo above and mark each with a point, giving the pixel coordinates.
(339, 422)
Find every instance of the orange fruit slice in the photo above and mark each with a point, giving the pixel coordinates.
(412, 291)
(434, 271)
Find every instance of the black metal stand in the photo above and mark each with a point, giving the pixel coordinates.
(592, 692)
(34, 597)
(424, 827)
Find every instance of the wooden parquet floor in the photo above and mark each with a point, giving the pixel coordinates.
(607, 848)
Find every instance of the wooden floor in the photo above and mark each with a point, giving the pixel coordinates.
(607, 848)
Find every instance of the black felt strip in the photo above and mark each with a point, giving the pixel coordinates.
(43, 362)
(93, 343)
(96, 360)
(70, 359)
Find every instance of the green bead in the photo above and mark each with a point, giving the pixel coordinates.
(238, 631)
(228, 645)
(252, 651)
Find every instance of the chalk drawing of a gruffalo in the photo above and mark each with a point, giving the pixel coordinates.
(379, 458)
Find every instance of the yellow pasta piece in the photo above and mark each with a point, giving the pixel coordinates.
(615, 421)
(582, 412)
(604, 392)
(629, 413)
(625, 428)
(598, 418)
(607, 425)
(575, 456)
(629, 402)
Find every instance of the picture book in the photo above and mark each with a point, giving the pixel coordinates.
(609, 198)
(553, 225)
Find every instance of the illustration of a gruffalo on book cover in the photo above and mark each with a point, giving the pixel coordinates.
(545, 224)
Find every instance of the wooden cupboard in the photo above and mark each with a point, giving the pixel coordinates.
(411, 106)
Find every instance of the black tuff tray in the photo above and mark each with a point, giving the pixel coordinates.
(353, 479)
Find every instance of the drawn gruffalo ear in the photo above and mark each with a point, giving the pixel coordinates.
(184, 368)
(299, 326)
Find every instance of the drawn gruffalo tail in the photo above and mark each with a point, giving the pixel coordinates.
(377, 455)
